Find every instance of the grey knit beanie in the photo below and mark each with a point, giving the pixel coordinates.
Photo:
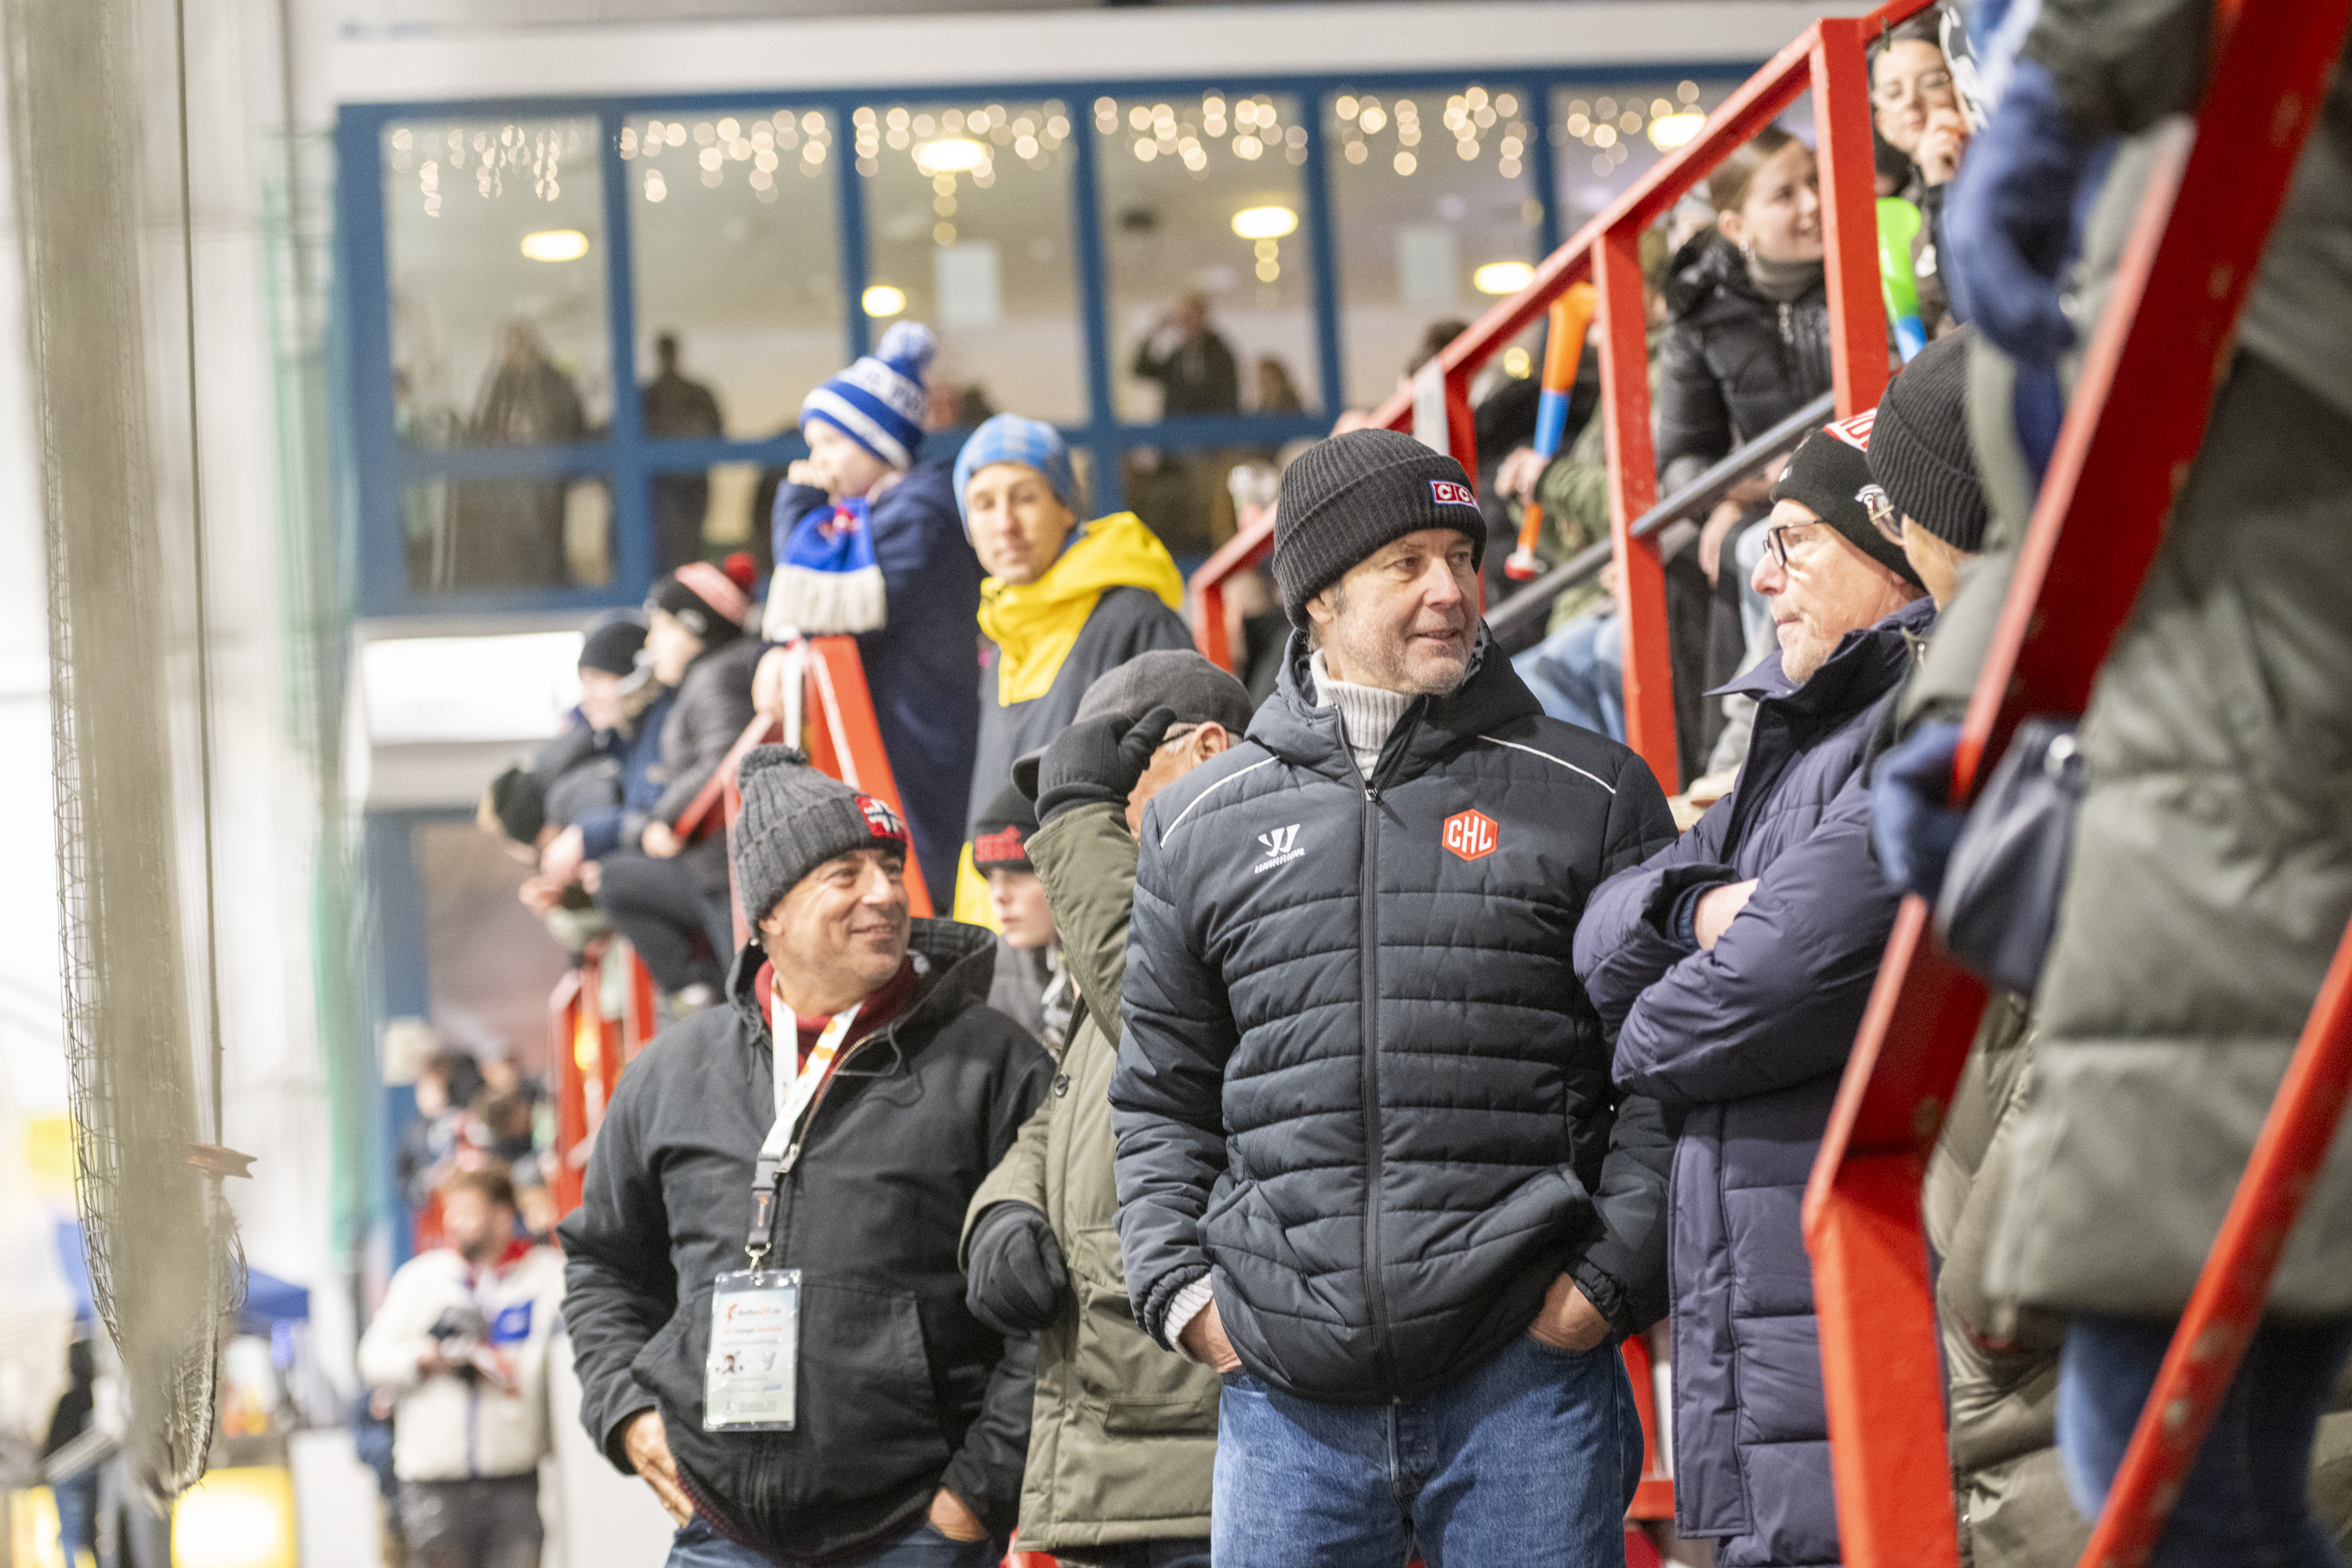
(793, 820)
(1919, 450)
(1348, 497)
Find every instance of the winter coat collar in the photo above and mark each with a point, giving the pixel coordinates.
(1856, 675)
(1709, 267)
(1292, 727)
(1035, 624)
(955, 964)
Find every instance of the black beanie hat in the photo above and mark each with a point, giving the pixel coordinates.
(1001, 837)
(519, 804)
(793, 820)
(1919, 449)
(1348, 497)
(613, 646)
(1827, 475)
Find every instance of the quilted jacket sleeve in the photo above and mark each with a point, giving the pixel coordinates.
(1776, 1000)
(1620, 949)
(1167, 1092)
(1623, 1273)
(1086, 858)
(1693, 418)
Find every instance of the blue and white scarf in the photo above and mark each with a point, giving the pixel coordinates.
(828, 583)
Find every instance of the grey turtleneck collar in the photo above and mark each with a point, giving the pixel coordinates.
(1369, 714)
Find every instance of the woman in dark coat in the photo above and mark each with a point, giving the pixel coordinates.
(1747, 344)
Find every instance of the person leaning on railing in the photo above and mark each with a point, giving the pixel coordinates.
(2212, 879)
(868, 543)
(1746, 344)
(670, 899)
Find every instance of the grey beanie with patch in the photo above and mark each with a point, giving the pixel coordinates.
(793, 820)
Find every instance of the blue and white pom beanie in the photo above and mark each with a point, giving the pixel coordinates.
(878, 402)
(1010, 438)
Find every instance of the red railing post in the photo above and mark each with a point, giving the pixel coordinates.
(2133, 427)
(2227, 1305)
(1841, 76)
(571, 1092)
(1633, 491)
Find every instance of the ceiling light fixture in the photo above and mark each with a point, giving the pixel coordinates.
(1502, 277)
(1668, 132)
(881, 299)
(555, 244)
(1266, 223)
(950, 155)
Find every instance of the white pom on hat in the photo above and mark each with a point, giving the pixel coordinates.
(908, 343)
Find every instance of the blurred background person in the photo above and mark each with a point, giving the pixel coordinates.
(461, 1341)
(509, 533)
(1032, 987)
(677, 408)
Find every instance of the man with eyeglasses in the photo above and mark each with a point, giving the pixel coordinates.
(1732, 968)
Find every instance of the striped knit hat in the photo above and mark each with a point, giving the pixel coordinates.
(878, 402)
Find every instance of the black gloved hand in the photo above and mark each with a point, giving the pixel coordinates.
(1017, 1277)
(1098, 761)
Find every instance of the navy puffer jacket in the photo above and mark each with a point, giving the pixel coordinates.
(1359, 1084)
(1747, 1041)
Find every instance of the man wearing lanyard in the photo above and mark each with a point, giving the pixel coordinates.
(763, 1294)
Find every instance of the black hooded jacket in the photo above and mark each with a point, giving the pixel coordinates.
(1732, 363)
(1359, 1083)
(901, 1390)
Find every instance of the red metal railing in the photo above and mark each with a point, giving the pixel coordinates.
(594, 1033)
(2137, 420)
(1829, 60)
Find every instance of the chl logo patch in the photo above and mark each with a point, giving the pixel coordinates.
(1472, 835)
(1448, 493)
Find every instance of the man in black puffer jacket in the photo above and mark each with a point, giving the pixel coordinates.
(1369, 1162)
(911, 1419)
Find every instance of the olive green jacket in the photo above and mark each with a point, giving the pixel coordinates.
(1123, 1435)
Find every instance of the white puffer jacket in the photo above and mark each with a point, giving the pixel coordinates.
(449, 1427)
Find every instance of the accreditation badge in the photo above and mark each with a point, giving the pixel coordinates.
(751, 1374)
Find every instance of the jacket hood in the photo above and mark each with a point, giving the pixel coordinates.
(1034, 625)
(1860, 666)
(1294, 727)
(955, 964)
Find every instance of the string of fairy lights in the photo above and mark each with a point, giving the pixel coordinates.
(949, 146)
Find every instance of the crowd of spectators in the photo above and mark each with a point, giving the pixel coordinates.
(1308, 1085)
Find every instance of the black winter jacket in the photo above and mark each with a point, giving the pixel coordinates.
(902, 1391)
(709, 714)
(1359, 1083)
(1732, 363)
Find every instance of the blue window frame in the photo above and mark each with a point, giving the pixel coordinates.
(389, 475)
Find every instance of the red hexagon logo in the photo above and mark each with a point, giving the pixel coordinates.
(1472, 835)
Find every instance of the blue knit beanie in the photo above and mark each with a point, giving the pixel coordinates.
(1009, 438)
(878, 402)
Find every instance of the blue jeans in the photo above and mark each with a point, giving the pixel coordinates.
(1529, 1461)
(1578, 673)
(2244, 1503)
(699, 1546)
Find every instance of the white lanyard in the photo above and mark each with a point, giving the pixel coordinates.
(793, 1097)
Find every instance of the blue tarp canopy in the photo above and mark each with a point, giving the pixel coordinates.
(268, 1298)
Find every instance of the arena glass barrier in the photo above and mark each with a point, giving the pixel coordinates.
(2134, 424)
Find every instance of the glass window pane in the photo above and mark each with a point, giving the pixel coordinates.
(1435, 213)
(967, 231)
(737, 258)
(1606, 138)
(1201, 197)
(554, 532)
(495, 238)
